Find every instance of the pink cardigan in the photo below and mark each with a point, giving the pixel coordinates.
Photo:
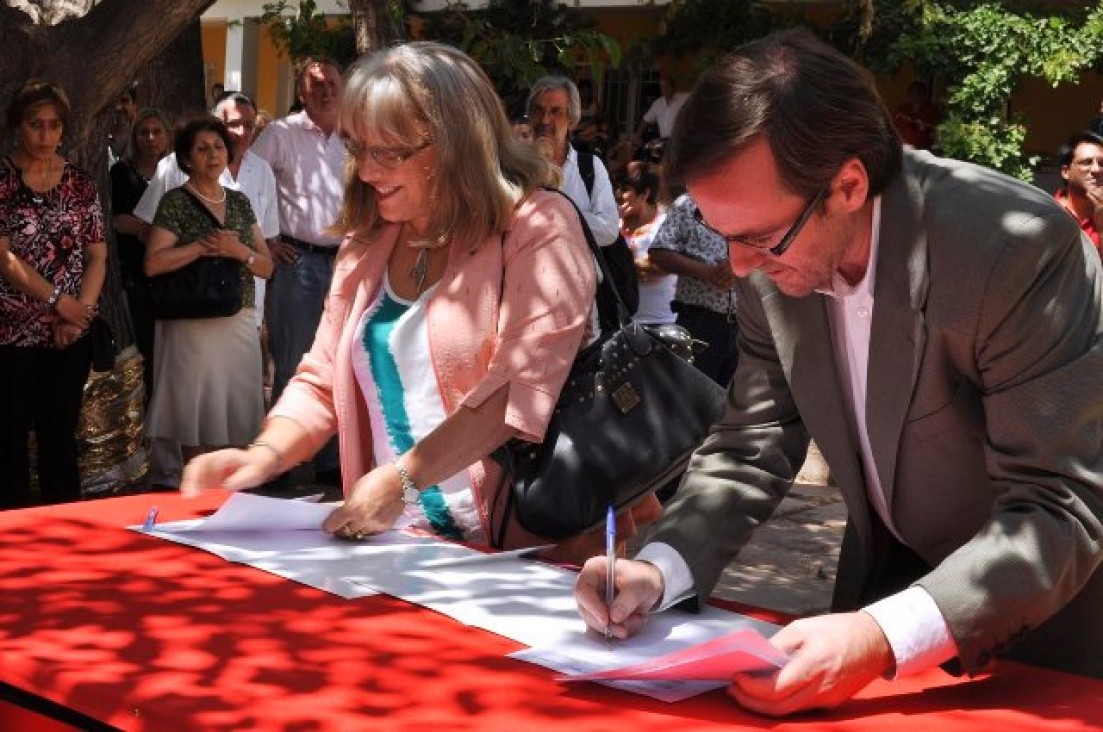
(510, 311)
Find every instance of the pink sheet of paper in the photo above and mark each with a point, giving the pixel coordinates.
(715, 660)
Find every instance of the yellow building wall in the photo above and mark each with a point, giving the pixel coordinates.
(1054, 114)
(214, 53)
(269, 61)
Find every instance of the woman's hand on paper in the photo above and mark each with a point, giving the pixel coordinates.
(231, 469)
(638, 587)
(372, 506)
(832, 657)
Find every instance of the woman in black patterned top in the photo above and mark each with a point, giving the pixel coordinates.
(206, 372)
(149, 142)
(52, 264)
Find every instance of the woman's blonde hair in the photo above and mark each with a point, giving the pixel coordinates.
(426, 91)
(139, 118)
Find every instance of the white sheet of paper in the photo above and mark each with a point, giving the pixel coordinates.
(586, 652)
(533, 604)
(526, 601)
(714, 660)
(250, 512)
(284, 537)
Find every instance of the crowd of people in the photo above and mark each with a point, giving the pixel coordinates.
(429, 289)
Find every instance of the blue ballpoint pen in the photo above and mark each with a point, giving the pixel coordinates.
(611, 558)
(151, 519)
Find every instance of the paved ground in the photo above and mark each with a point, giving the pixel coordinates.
(790, 564)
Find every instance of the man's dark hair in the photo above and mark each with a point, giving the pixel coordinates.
(309, 63)
(190, 129)
(1067, 151)
(815, 107)
(641, 178)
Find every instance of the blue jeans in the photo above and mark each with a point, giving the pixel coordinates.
(293, 308)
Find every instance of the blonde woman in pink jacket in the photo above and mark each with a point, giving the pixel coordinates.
(460, 297)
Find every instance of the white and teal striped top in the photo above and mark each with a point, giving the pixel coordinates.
(394, 369)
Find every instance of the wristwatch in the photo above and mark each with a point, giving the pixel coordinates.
(410, 493)
(53, 300)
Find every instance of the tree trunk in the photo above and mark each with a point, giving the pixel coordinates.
(94, 53)
(374, 25)
(94, 56)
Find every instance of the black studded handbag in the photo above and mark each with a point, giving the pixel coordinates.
(631, 412)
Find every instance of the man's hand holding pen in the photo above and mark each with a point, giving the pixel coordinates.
(638, 586)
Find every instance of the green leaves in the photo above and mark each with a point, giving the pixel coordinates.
(302, 31)
(982, 53)
(518, 42)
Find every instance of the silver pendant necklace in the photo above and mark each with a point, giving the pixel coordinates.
(420, 269)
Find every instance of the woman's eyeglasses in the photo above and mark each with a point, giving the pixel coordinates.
(763, 243)
(387, 157)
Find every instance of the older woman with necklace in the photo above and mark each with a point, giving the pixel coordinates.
(52, 264)
(460, 296)
(206, 371)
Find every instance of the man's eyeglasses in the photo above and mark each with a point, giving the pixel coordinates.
(763, 243)
(387, 157)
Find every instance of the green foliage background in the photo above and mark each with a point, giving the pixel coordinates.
(976, 53)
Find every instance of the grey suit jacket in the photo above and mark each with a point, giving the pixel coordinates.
(984, 411)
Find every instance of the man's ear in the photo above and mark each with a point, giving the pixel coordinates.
(852, 183)
(1065, 173)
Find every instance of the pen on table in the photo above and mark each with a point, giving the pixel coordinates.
(611, 559)
(151, 519)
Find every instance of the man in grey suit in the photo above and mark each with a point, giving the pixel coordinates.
(936, 328)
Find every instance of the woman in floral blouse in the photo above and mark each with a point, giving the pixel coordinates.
(207, 388)
(52, 263)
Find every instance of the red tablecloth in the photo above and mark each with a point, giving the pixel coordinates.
(149, 635)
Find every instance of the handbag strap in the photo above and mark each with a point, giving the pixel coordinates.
(624, 316)
(199, 204)
(498, 541)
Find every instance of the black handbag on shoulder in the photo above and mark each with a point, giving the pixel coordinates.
(209, 287)
(632, 411)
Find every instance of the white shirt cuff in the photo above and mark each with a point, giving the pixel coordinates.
(677, 579)
(915, 629)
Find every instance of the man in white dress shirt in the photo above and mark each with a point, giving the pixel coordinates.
(247, 173)
(554, 108)
(663, 111)
(308, 157)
